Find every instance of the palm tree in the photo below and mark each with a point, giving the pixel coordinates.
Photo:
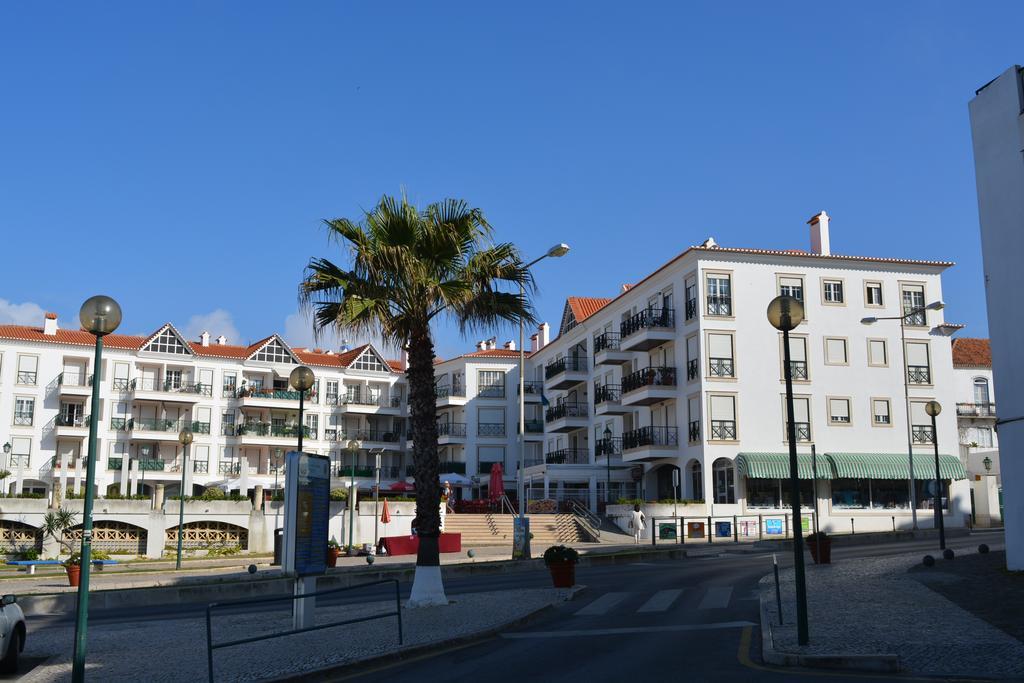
(409, 268)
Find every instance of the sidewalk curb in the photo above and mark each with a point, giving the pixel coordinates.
(440, 647)
(880, 663)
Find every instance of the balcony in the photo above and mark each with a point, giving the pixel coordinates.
(723, 430)
(798, 370)
(648, 386)
(347, 472)
(693, 431)
(566, 372)
(71, 425)
(281, 398)
(454, 395)
(533, 391)
(647, 329)
(371, 403)
(606, 447)
(443, 467)
(229, 468)
(200, 427)
(74, 384)
(568, 456)
(608, 400)
(803, 431)
(692, 369)
(608, 350)
(691, 309)
(166, 390)
(27, 378)
(491, 430)
(919, 374)
(719, 305)
(976, 410)
(567, 416)
(23, 419)
(650, 443)
(201, 466)
(721, 367)
(450, 433)
(156, 429)
(534, 430)
(922, 434)
(115, 463)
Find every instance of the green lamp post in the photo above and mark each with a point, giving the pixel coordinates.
(99, 315)
(302, 379)
(353, 446)
(185, 439)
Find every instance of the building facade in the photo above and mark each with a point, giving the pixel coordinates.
(976, 417)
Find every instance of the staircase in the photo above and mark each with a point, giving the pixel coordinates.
(496, 530)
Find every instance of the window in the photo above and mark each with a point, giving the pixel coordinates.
(920, 424)
(491, 422)
(696, 482)
(719, 289)
(172, 379)
(24, 411)
(723, 418)
(230, 381)
(832, 291)
(984, 437)
(835, 351)
(21, 452)
(369, 360)
(878, 354)
(168, 342)
(724, 476)
(691, 298)
(693, 413)
(27, 367)
(873, 294)
(274, 352)
(692, 358)
(981, 395)
(720, 355)
(839, 411)
(802, 423)
(852, 494)
(791, 286)
(918, 367)
(488, 455)
(774, 493)
(491, 383)
(797, 358)
(881, 414)
(913, 300)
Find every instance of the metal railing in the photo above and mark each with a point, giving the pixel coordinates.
(200, 427)
(151, 464)
(922, 434)
(27, 377)
(576, 363)
(721, 367)
(276, 394)
(803, 431)
(647, 319)
(378, 400)
(120, 383)
(650, 436)
(71, 421)
(719, 305)
(692, 369)
(693, 431)
(531, 388)
(23, 419)
(976, 409)
(451, 429)
(607, 392)
(568, 456)
(169, 386)
(565, 409)
(445, 391)
(491, 391)
(691, 309)
(74, 379)
(229, 391)
(229, 467)
(156, 425)
(606, 447)
(609, 341)
(534, 426)
(919, 374)
(228, 429)
(342, 471)
(653, 376)
(586, 519)
(234, 604)
(917, 319)
(723, 430)
(451, 467)
(200, 466)
(490, 429)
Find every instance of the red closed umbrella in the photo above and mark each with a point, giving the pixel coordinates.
(497, 484)
(385, 515)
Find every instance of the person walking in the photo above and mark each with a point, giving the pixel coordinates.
(637, 523)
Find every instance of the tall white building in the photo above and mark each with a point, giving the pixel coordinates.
(997, 129)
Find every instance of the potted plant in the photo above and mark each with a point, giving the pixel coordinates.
(561, 562)
(333, 551)
(73, 566)
(820, 541)
(56, 523)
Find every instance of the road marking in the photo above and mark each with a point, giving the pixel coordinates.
(643, 564)
(602, 604)
(624, 631)
(716, 597)
(661, 600)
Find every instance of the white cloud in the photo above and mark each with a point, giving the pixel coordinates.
(298, 332)
(217, 322)
(27, 313)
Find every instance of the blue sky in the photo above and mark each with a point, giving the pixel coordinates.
(180, 156)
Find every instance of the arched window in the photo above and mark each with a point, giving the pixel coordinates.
(981, 394)
(724, 480)
(696, 481)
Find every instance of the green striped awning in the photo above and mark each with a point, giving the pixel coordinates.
(894, 466)
(776, 466)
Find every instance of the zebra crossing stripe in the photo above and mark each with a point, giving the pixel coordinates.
(602, 604)
(661, 601)
(716, 597)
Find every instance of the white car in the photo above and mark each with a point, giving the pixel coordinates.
(12, 634)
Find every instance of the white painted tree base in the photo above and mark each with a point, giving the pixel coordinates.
(427, 588)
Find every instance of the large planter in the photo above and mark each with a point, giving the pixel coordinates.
(813, 541)
(332, 556)
(74, 574)
(563, 574)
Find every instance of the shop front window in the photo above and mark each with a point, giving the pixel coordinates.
(774, 493)
(924, 492)
(851, 494)
(890, 494)
(806, 493)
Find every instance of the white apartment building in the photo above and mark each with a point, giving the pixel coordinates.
(235, 399)
(976, 416)
(682, 370)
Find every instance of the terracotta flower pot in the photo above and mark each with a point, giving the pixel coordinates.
(563, 574)
(332, 556)
(74, 574)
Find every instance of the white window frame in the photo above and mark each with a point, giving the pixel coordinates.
(846, 350)
(832, 421)
(825, 283)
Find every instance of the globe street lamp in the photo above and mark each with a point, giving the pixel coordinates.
(353, 446)
(557, 251)
(302, 379)
(933, 408)
(99, 315)
(785, 313)
(908, 313)
(185, 439)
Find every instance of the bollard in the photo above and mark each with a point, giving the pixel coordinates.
(894, 523)
(852, 530)
(778, 591)
(735, 530)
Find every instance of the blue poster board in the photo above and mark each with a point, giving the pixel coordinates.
(306, 513)
(773, 526)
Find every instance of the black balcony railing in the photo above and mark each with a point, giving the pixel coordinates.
(692, 369)
(169, 386)
(451, 467)
(23, 419)
(491, 391)
(721, 367)
(723, 430)
(120, 384)
(27, 377)
(609, 341)
(798, 369)
(650, 436)
(446, 391)
(607, 392)
(803, 431)
(608, 446)
(691, 309)
(693, 431)
(451, 429)
(650, 318)
(565, 364)
(565, 409)
(719, 305)
(278, 394)
(74, 379)
(922, 434)
(919, 374)
(567, 456)
(490, 429)
(71, 420)
(915, 319)
(229, 467)
(534, 426)
(531, 388)
(200, 466)
(976, 409)
(649, 377)
(121, 424)
(200, 427)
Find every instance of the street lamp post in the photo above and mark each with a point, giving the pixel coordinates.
(277, 470)
(7, 462)
(785, 313)
(376, 494)
(556, 251)
(608, 468)
(353, 447)
(933, 408)
(870, 320)
(185, 439)
(302, 379)
(99, 315)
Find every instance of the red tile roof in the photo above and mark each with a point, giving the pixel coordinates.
(69, 337)
(968, 352)
(585, 306)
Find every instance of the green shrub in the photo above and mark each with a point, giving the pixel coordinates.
(26, 553)
(561, 553)
(339, 494)
(222, 550)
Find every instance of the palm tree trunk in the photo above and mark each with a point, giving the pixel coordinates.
(427, 587)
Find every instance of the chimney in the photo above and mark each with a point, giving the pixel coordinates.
(819, 234)
(481, 345)
(510, 345)
(405, 359)
(533, 343)
(222, 340)
(50, 325)
(544, 330)
(204, 339)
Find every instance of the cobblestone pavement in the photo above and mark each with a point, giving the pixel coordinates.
(175, 650)
(874, 606)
